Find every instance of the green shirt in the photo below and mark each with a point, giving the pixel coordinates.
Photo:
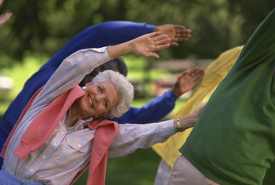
(233, 142)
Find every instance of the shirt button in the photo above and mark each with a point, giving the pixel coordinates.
(31, 170)
(79, 145)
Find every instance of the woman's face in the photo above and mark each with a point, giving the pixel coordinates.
(99, 99)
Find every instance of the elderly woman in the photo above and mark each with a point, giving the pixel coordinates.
(65, 128)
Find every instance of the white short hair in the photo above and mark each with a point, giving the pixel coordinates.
(124, 88)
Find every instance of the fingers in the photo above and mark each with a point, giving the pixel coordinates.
(191, 77)
(194, 72)
(160, 46)
(160, 41)
(182, 33)
(177, 33)
(5, 17)
(197, 73)
(161, 38)
(155, 34)
(152, 54)
(149, 44)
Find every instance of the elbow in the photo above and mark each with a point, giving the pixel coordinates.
(73, 65)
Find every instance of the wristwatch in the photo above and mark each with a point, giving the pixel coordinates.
(177, 124)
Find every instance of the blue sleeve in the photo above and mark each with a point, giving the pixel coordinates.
(153, 111)
(100, 35)
(107, 33)
(104, 34)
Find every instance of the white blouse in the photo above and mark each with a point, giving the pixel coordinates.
(68, 150)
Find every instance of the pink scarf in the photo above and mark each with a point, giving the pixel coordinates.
(38, 133)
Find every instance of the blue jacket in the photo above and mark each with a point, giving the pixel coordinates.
(108, 33)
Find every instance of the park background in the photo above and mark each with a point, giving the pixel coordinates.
(39, 28)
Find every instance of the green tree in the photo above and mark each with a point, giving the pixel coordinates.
(44, 26)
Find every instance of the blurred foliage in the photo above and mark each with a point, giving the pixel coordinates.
(44, 26)
(19, 73)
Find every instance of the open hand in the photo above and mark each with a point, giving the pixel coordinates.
(177, 33)
(187, 81)
(148, 45)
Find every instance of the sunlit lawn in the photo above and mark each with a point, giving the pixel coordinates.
(136, 169)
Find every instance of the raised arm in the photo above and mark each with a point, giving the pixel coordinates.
(100, 35)
(160, 106)
(104, 34)
(108, 33)
(115, 32)
(79, 64)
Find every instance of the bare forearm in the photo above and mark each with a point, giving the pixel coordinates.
(147, 45)
(119, 49)
(188, 121)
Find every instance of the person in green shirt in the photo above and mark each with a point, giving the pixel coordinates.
(233, 142)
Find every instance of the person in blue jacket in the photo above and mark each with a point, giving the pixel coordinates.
(160, 106)
(107, 33)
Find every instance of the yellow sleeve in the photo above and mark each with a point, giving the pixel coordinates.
(214, 74)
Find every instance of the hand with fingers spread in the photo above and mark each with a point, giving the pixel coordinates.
(147, 45)
(187, 81)
(177, 33)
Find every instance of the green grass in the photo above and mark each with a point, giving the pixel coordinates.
(19, 73)
(136, 169)
(138, 70)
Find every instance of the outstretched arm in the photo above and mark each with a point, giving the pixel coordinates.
(153, 111)
(108, 33)
(160, 106)
(115, 32)
(136, 136)
(76, 66)
(103, 34)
